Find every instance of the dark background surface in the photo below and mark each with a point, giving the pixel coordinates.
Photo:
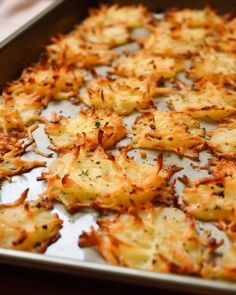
(15, 280)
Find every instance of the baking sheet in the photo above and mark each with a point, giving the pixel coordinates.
(74, 225)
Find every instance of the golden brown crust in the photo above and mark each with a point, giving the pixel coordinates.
(49, 83)
(214, 65)
(205, 100)
(194, 18)
(142, 64)
(28, 225)
(11, 165)
(211, 199)
(145, 240)
(70, 49)
(93, 126)
(122, 95)
(169, 131)
(222, 140)
(81, 178)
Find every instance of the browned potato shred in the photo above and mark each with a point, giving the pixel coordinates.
(82, 178)
(91, 126)
(28, 225)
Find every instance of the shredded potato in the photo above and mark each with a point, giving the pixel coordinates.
(222, 140)
(144, 65)
(211, 199)
(206, 100)
(11, 165)
(214, 65)
(167, 39)
(49, 83)
(195, 18)
(70, 49)
(81, 178)
(156, 239)
(29, 106)
(93, 126)
(169, 131)
(122, 95)
(28, 225)
(129, 16)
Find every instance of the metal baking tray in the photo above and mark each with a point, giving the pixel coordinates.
(65, 256)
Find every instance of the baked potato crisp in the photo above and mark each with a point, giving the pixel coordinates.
(29, 106)
(156, 239)
(144, 65)
(81, 178)
(11, 165)
(49, 83)
(122, 95)
(195, 18)
(130, 16)
(166, 39)
(214, 65)
(70, 49)
(205, 100)
(168, 131)
(94, 126)
(222, 140)
(28, 225)
(211, 199)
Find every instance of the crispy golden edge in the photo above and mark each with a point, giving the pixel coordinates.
(101, 90)
(164, 192)
(102, 134)
(101, 12)
(211, 18)
(121, 66)
(86, 55)
(230, 124)
(41, 205)
(197, 72)
(104, 241)
(219, 111)
(20, 165)
(96, 27)
(217, 187)
(147, 118)
(52, 87)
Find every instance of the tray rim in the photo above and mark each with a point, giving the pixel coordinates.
(98, 270)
